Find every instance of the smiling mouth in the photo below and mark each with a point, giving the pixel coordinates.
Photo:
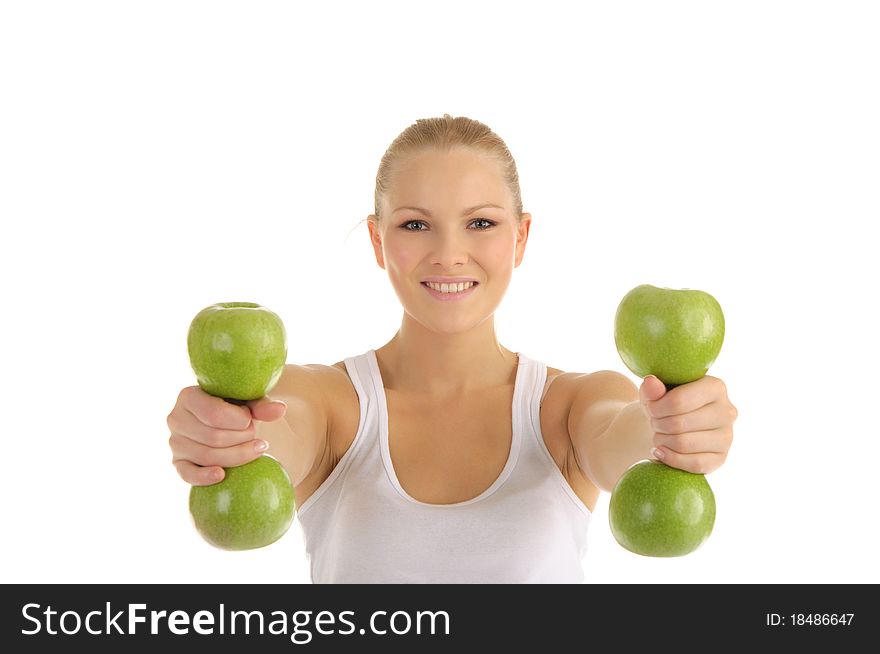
(450, 289)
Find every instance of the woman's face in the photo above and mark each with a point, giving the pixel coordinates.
(434, 225)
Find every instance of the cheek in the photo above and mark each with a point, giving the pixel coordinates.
(499, 254)
(401, 257)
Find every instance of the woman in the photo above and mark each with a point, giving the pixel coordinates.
(443, 456)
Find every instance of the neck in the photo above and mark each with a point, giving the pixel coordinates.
(445, 365)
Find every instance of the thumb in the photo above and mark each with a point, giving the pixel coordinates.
(651, 390)
(266, 409)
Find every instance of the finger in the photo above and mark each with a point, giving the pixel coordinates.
(651, 390)
(215, 411)
(699, 463)
(186, 449)
(687, 397)
(710, 416)
(715, 441)
(197, 475)
(266, 409)
(188, 425)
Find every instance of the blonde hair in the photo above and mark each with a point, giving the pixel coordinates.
(444, 134)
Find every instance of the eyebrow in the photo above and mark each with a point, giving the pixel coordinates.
(463, 213)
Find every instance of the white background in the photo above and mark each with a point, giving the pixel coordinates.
(157, 157)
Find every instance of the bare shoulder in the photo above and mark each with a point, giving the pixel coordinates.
(324, 387)
(320, 402)
(600, 378)
(591, 387)
(318, 374)
(608, 385)
(324, 373)
(343, 404)
(337, 380)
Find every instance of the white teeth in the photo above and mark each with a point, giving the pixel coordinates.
(450, 288)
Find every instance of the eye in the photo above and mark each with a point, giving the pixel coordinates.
(405, 227)
(489, 223)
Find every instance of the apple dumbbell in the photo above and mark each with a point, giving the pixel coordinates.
(237, 351)
(675, 335)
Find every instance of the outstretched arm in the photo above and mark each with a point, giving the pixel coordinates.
(612, 425)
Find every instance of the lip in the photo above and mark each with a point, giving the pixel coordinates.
(450, 297)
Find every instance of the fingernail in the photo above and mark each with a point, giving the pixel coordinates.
(215, 475)
(658, 453)
(279, 403)
(260, 445)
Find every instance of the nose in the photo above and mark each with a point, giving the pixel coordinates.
(449, 252)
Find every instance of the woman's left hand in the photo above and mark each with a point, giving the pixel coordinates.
(692, 423)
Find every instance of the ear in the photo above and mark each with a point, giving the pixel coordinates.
(376, 239)
(522, 237)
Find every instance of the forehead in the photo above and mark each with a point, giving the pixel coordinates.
(459, 171)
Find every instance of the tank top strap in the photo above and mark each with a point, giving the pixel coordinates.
(534, 376)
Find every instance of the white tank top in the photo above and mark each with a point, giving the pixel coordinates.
(360, 525)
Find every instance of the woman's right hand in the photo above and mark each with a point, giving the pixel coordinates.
(209, 434)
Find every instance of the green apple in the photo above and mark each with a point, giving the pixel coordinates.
(253, 506)
(657, 510)
(237, 350)
(673, 334)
